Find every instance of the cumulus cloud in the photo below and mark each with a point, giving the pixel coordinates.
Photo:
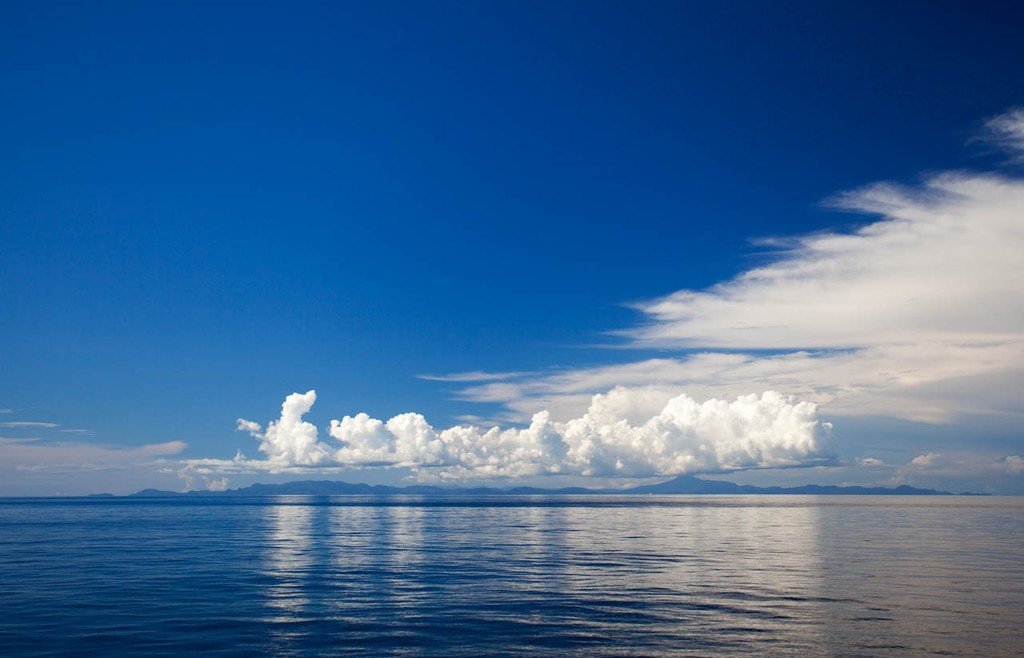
(624, 433)
(926, 459)
(290, 441)
(1013, 464)
(918, 314)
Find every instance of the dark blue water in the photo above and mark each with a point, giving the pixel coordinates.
(584, 576)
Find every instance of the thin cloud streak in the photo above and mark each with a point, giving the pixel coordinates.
(1007, 132)
(474, 376)
(71, 457)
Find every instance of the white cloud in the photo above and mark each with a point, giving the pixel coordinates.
(22, 439)
(962, 471)
(1007, 131)
(68, 457)
(189, 475)
(624, 433)
(870, 461)
(289, 441)
(917, 315)
(474, 376)
(1013, 464)
(942, 265)
(926, 459)
(27, 424)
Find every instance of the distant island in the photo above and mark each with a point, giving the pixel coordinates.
(684, 484)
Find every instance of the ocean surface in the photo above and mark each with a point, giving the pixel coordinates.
(553, 575)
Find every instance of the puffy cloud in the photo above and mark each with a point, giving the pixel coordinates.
(189, 475)
(1013, 464)
(217, 485)
(289, 441)
(918, 314)
(624, 433)
(925, 460)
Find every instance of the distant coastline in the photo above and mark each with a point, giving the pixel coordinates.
(683, 484)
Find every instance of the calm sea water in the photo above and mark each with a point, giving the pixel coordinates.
(584, 576)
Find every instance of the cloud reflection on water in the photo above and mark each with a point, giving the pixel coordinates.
(540, 577)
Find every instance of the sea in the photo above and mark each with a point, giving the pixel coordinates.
(711, 575)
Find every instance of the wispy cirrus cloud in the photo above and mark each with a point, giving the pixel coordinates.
(40, 456)
(474, 376)
(1007, 132)
(5, 440)
(27, 424)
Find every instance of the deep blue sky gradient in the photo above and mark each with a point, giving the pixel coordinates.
(206, 206)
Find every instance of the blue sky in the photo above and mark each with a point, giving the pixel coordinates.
(206, 207)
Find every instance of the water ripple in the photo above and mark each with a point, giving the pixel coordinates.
(605, 576)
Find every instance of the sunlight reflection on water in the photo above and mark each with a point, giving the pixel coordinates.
(712, 575)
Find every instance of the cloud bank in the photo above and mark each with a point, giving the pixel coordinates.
(624, 433)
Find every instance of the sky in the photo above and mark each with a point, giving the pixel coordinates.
(544, 243)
